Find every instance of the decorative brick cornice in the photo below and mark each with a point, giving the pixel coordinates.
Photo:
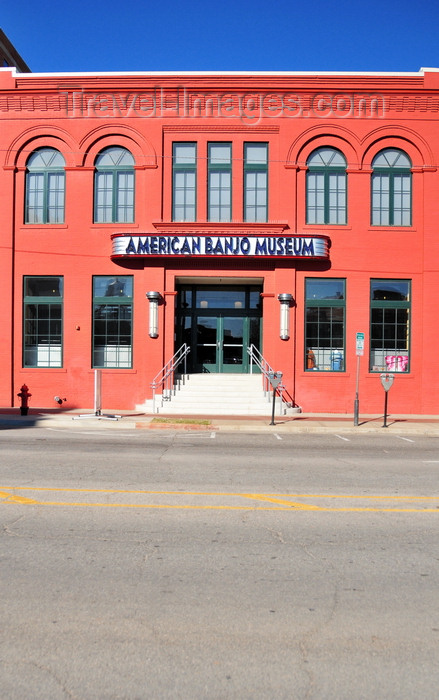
(218, 228)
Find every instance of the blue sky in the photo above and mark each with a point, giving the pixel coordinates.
(124, 35)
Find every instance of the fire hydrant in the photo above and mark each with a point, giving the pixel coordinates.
(24, 395)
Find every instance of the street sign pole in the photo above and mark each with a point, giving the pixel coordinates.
(357, 400)
(359, 350)
(275, 380)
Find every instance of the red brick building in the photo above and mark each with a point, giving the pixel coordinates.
(295, 213)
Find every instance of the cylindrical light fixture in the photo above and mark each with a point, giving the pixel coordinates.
(153, 298)
(285, 303)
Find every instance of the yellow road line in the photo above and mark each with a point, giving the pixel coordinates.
(363, 497)
(281, 502)
(11, 498)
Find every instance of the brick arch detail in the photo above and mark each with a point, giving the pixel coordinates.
(40, 137)
(337, 137)
(405, 139)
(120, 135)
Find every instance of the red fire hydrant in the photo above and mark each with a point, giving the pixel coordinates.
(24, 395)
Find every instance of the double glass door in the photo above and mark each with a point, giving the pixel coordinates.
(219, 323)
(222, 343)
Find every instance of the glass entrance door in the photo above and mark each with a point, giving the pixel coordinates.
(220, 343)
(218, 323)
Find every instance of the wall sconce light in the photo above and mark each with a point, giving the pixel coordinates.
(285, 303)
(153, 298)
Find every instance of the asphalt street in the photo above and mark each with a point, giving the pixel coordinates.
(218, 565)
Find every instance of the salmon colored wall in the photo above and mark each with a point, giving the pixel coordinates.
(79, 249)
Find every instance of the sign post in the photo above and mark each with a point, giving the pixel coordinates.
(97, 402)
(359, 350)
(275, 380)
(386, 381)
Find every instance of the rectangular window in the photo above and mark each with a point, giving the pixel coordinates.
(255, 182)
(380, 199)
(42, 321)
(391, 199)
(125, 197)
(45, 198)
(325, 324)
(104, 197)
(390, 302)
(35, 209)
(184, 182)
(315, 198)
(326, 197)
(220, 181)
(112, 321)
(114, 197)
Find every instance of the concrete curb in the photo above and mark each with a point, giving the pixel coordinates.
(302, 423)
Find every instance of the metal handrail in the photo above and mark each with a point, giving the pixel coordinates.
(259, 360)
(165, 377)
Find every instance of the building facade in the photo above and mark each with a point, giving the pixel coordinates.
(293, 213)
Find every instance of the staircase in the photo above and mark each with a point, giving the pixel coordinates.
(216, 395)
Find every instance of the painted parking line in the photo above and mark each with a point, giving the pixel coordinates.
(197, 500)
(202, 436)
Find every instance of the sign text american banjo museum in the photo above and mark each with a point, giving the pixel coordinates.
(141, 245)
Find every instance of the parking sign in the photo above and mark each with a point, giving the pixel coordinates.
(359, 344)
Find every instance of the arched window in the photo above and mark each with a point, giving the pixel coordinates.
(391, 188)
(326, 187)
(45, 187)
(114, 186)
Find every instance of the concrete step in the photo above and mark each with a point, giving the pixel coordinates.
(216, 394)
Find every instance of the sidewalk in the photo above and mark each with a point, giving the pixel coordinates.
(10, 418)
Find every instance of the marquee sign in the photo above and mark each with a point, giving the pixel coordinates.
(151, 245)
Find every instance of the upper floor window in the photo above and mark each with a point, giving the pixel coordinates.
(391, 189)
(326, 187)
(114, 186)
(45, 187)
(184, 182)
(255, 182)
(219, 182)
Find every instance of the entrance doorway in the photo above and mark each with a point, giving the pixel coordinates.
(218, 322)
